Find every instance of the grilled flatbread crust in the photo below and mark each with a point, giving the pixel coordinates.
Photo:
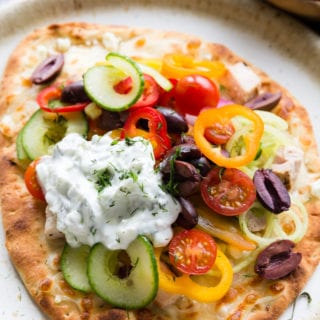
(37, 260)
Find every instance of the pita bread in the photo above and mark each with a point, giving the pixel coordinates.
(37, 259)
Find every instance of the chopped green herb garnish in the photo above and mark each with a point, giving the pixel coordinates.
(171, 185)
(129, 141)
(126, 174)
(102, 179)
(114, 142)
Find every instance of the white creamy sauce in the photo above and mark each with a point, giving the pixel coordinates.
(106, 191)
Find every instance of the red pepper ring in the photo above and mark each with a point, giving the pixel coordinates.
(150, 94)
(157, 134)
(49, 101)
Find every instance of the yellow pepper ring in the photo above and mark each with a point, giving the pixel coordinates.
(185, 286)
(251, 140)
(178, 66)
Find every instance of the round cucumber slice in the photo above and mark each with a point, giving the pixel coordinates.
(99, 82)
(22, 156)
(134, 291)
(74, 267)
(39, 133)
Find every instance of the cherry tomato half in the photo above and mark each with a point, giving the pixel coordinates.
(192, 251)
(229, 191)
(31, 181)
(195, 92)
(219, 133)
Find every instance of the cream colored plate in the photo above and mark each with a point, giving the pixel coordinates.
(282, 47)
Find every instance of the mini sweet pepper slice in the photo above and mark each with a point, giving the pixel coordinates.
(186, 286)
(224, 115)
(49, 101)
(157, 129)
(177, 66)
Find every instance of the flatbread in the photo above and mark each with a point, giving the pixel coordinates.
(37, 260)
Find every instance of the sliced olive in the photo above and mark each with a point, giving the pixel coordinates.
(74, 93)
(271, 192)
(277, 260)
(48, 69)
(175, 121)
(265, 101)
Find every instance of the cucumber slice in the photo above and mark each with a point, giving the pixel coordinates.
(136, 290)
(99, 82)
(74, 267)
(161, 80)
(22, 156)
(39, 133)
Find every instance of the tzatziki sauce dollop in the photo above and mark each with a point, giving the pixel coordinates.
(107, 191)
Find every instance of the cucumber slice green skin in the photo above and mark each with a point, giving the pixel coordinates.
(22, 156)
(74, 267)
(133, 292)
(99, 82)
(161, 80)
(33, 137)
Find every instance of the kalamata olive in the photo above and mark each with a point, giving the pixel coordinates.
(186, 151)
(74, 93)
(185, 170)
(188, 187)
(48, 69)
(202, 164)
(184, 138)
(271, 192)
(188, 217)
(265, 101)
(175, 121)
(110, 120)
(185, 176)
(277, 260)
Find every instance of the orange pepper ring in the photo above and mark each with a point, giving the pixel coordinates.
(178, 66)
(251, 140)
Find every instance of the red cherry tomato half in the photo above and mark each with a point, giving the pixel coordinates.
(31, 181)
(195, 92)
(192, 251)
(219, 133)
(228, 192)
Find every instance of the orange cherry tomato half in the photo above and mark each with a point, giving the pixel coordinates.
(228, 191)
(192, 251)
(219, 133)
(195, 92)
(31, 181)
